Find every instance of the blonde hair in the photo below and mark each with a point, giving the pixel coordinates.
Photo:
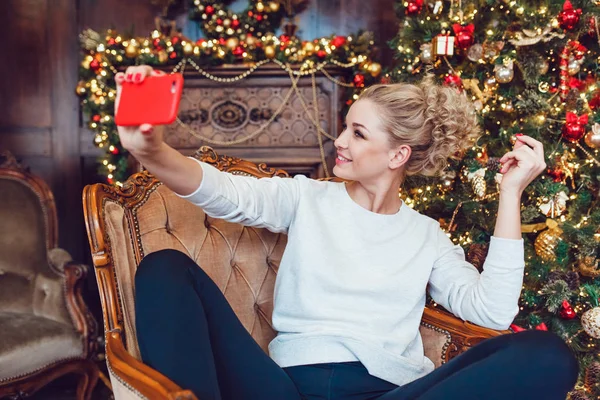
(437, 122)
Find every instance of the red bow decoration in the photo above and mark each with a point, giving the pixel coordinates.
(572, 118)
(578, 84)
(517, 328)
(458, 28)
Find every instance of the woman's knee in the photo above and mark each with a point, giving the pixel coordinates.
(550, 353)
(162, 267)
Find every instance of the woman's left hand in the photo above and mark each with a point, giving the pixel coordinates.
(522, 165)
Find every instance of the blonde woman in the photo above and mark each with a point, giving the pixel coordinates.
(350, 290)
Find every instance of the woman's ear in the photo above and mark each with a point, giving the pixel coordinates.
(399, 156)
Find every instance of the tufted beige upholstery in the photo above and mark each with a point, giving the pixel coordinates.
(146, 217)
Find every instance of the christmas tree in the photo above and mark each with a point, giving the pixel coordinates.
(531, 67)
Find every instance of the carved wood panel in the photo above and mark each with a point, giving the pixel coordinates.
(254, 114)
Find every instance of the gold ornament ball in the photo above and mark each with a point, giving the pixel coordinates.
(86, 62)
(508, 107)
(375, 69)
(251, 41)
(274, 6)
(232, 43)
(491, 81)
(80, 90)
(573, 67)
(270, 51)
(590, 320)
(226, 22)
(504, 74)
(592, 140)
(365, 66)
(260, 7)
(309, 48)
(132, 51)
(546, 242)
(163, 56)
(188, 49)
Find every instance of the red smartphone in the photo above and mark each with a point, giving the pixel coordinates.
(155, 101)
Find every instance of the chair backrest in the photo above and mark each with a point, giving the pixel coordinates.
(143, 216)
(28, 230)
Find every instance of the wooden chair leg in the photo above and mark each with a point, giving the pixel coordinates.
(87, 382)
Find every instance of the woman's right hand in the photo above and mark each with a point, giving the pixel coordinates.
(143, 140)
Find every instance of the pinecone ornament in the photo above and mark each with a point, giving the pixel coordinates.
(592, 376)
(477, 254)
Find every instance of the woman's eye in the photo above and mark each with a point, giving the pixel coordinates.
(357, 133)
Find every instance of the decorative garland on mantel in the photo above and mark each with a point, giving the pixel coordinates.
(104, 55)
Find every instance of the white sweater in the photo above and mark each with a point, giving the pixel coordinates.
(351, 284)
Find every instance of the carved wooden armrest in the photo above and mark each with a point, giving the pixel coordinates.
(139, 377)
(84, 321)
(464, 334)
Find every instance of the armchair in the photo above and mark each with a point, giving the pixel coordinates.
(46, 330)
(144, 216)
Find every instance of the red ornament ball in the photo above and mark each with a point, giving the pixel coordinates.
(567, 311)
(173, 55)
(156, 42)
(114, 151)
(284, 38)
(238, 51)
(321, 54)
(96, 118)
(414, 7)
(235, 23)
(94, 64)
(259, 17)
(209, 9)
(453, 80)
(359, 80)
(175, 40)
(464, 35)
(222, 41)
(111, 41)
(573, 131)
(338, 41)
(569, 17)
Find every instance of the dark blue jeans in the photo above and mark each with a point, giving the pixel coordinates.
(187, 331)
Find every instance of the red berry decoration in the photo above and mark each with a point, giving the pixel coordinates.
(209, 9)
(96, 118)
(574, 128)
(567, 311)
(464, 35)
(114, 151)
(359, 80)
(284, 38)
(414, 7)
(568, 17)
(222, 41)
(338, 41)
(557, 174)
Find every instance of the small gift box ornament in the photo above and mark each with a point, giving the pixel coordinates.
(443, 45)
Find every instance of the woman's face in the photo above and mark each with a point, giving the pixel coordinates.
(363, 145)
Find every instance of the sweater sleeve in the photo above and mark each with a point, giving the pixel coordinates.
(266, 202)
(489, 299)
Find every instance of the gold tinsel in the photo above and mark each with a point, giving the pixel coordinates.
(546, 242)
